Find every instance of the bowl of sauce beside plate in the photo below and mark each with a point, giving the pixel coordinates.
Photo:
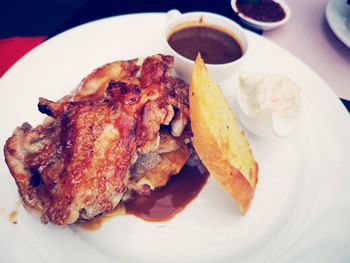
(220, 41)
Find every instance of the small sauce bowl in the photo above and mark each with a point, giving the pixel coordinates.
(183, 65)
(257, 24)
(268, 105)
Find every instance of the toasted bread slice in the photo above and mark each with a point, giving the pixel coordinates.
(219, 140)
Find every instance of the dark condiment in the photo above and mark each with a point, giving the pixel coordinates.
(216, 46)
(164, 203)
(261, 10)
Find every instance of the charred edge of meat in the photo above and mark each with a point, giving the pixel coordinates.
(127, 93)
(44, 108)
(35, 179)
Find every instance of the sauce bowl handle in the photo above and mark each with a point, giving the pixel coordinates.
(172, 14)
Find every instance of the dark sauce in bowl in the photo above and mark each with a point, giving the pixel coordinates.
(261, 10)
(216, 46)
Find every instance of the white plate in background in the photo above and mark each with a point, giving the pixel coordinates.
(338, 17)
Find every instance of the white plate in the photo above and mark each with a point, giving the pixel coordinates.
(301, 210)
(338, 17)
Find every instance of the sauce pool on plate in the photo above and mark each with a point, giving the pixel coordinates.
(163, 203)
(215, 45)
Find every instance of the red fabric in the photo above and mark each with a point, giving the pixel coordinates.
(12, 49)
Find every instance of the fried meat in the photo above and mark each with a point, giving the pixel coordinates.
(123, 129)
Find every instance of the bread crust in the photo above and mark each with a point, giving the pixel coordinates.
(218, 139)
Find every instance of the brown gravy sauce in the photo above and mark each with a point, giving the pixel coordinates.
(163, 203)
(215, 45)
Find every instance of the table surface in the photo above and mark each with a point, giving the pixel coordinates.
(306, 35)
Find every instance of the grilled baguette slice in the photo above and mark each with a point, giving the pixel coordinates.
(219, 141)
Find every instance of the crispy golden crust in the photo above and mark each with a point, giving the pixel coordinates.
(76, 165)
(218, 139)
(83, 164)
(165, 101)
(94, 85)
